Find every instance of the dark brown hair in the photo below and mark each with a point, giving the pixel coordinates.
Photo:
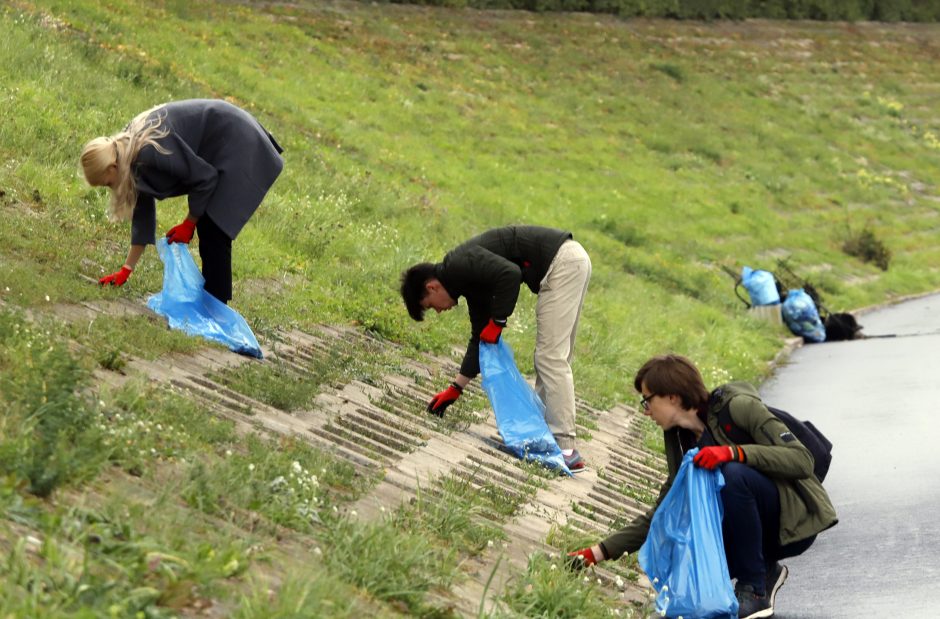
(673, 375)
(413, 289)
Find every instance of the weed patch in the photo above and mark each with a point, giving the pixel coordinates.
(549, 589)
(868, 248)
(48, 432)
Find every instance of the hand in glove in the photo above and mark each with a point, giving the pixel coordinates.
(710, 457)
(118, 278)
(580, 559)
(492, 330)
(181, 233)
(441, 401)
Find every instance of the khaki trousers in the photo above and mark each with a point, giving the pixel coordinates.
(561, 296)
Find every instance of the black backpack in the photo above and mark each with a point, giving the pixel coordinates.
(805, 432)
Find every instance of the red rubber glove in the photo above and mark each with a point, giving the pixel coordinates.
(441, 401)
(580, 559)
(490, 333)
(710, 457)
(116, 279)
(182, 233)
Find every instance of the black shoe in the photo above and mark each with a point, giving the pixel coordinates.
(776, 576)
(751, 605)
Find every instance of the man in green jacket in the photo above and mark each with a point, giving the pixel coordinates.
(488, 271)
(773, 504)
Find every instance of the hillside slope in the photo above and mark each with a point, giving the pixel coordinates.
(145, 474)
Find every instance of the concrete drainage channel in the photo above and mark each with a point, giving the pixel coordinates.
(382, 429)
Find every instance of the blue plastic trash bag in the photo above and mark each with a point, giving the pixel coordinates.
(760, 286)
(520, 414)
(684, 555)
(187, 306)
(802, 317)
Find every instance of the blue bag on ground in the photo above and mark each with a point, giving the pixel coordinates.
(802, 317)
(188, 307)
(760, 286)
(520, 414)
(684, 555)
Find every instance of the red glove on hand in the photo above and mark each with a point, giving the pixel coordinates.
(182, 233)
(490, 333)
(580, 559)
(710, 457)
(441, 401)
(116, 279)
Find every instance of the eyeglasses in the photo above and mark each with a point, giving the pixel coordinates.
(645, 401)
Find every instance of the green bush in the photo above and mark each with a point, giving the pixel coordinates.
(869, 248)
(49, 432)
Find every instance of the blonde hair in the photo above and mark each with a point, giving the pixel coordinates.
(121, 150)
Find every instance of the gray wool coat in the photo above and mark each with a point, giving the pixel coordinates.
(219, 156)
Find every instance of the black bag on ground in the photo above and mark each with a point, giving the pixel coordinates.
(841, 326)
(804, 431)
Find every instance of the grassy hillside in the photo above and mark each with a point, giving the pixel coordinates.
(669, 149)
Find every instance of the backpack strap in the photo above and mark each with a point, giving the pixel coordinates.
(735, 433)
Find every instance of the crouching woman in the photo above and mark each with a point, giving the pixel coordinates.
(773, 504)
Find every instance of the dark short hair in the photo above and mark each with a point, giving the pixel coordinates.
(413, 288)
(673, 375)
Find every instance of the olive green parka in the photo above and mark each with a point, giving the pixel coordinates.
(805, 508)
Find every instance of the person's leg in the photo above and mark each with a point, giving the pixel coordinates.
(751, 522)
(561, 297)
(215, 249)
(778, 552)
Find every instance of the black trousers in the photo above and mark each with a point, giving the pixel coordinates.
(751, 525)
(215, 249)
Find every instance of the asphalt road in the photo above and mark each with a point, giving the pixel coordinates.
(877, 401)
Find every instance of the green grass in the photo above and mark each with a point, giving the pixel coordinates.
(549, 589)
(670, 149)
(407, 129)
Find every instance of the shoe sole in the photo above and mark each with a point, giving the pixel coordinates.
(761, 614)
(772, 591)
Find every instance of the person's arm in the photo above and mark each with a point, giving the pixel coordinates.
(120, 277)
(631, 537)
(442, 400)
(775, 451)
(133, 255)
(179, 169)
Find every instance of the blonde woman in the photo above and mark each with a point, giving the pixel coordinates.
(215, 153)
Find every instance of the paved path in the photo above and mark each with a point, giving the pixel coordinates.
(877, 400)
